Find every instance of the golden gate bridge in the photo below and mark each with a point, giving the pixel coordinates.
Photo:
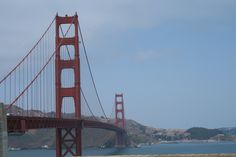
(53, 87)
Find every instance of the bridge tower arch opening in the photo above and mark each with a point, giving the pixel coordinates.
(68, 138)
(120, 119)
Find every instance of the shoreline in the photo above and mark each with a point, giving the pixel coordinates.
(131, 146)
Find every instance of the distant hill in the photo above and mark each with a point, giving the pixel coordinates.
(229, 131)
(36, 138)
(200, 133)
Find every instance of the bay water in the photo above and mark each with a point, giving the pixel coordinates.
(179, 148)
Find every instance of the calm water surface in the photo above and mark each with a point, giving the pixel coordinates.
(181, 148)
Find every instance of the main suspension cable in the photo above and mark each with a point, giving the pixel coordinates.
(86, 102)
(27, 53)
(27, 87)
(90, 71)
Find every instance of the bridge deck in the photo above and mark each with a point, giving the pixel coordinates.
(22, 124)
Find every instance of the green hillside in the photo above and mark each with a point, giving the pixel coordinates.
(199, 133)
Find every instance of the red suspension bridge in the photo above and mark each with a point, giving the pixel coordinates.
(53, 87)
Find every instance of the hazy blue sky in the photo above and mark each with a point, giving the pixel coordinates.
(174, 60)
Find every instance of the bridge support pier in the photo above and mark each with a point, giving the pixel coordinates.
(3, 131)
(69, 142)
(120, 140)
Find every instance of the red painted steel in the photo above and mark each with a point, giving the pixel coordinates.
(120, 119)
(22, 124)
(74, 92)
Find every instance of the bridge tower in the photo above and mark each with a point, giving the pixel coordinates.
(66, 138)
(120, 119)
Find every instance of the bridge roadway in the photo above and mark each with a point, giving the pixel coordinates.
(22, 124)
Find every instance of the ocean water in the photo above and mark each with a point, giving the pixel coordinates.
(180, 148)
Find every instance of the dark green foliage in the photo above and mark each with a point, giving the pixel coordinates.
(199, 133)
(142, 128)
